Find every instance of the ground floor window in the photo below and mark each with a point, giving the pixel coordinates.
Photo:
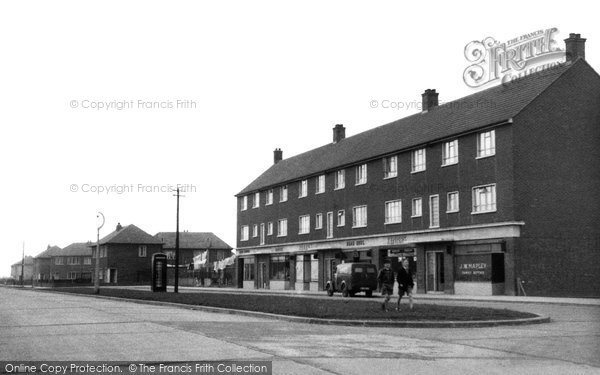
(72, 275)
(249, 269)
(280, 267)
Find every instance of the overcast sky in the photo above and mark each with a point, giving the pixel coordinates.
(254, 75)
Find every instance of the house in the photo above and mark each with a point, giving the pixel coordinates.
(126, 255)
(494, 193)
(74, 262)
(203, 245)
(42, 264)
(22, 268)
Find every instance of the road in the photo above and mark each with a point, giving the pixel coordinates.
(48, 327)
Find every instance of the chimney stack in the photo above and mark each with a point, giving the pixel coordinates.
(575, 47)
(119, 227)
(339, 133)
(277, 155)
(430, 99)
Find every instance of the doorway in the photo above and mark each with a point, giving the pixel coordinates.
(434, 271)
(262, 276)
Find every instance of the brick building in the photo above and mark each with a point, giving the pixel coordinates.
(74, 262)
(26, 266)
(483, 195)
(126, 255)
(42, 264)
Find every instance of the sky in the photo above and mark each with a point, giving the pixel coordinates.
(106, 106)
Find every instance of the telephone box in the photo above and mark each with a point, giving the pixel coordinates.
(159, 272)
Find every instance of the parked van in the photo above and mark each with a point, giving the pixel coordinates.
(352, 278)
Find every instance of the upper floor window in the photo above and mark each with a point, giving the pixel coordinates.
(269, 199)
(434, 211)
(319, 221)
(73, 260)
(245, 233)
(58, 260)
(486, 144)
(244, 203)
(418, 160)
(282, 228)
(361, 174)
(256, 200)
(304, 224)
(341, 218)
(270, 228)
(390, 167)
(255, 230)
(87, 261)
(303, 189)
(142, 250)
(283, 193)
(340, 179)
(417, 207)
(393, 212)
(450, 153)
(359, 216)
(484, 198)
(452, 202)
(320, 188)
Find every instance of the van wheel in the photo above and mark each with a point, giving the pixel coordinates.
(329, 290)
(369, 293)
(352, 294)
(344, 291)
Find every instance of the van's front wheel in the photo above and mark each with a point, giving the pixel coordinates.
(344, 291)
(369, 293)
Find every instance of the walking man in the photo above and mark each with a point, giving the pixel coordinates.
(385, 279)
(405, 284)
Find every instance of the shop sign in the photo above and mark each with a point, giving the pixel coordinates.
(473, 267)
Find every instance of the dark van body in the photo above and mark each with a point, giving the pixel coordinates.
(352, 278)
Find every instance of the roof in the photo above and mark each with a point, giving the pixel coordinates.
(487, 107)
(129, 234)
(192, 240)
(28, 260)
(75, 249)
(49, 252)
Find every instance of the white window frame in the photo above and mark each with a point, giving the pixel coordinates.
(360, 174)
(433, 214)
(256, 200)
(142, 251)
(320, 182)
(329, 224)
(244, 233)
(72, 275)
(302, 188)
(387, 213)
(254, 230)
(449, 209)
(281, 227)
(87, 261)
(269, 197)
(416, 156)
(270, 228)
(493, 204)
(359, 216)
(486, 144)
(413, 207)
(262, 233)
(319, 221)
(283, 193)
(59, 261)
(244, 203)
(450, 153)
(341, 214)
(304, 224)
(340, 179)
(387, 162)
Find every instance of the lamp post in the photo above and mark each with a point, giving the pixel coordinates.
(97, 267)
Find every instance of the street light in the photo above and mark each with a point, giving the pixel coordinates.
(97, 268)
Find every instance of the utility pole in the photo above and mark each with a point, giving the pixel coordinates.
(97, 267)
(177, 244)
(23, 265)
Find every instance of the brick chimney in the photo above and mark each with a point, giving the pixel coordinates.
(119, 227)
(277, 155)
(339, 133)
(430, 99)
(575, 47)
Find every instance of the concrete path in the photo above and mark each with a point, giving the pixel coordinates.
(48, 326)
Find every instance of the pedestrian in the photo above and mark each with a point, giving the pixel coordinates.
(405, 284)
(385, 279)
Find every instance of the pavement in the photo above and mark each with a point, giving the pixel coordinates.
(52, 326)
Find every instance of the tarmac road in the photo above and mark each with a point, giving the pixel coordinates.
(49, 326)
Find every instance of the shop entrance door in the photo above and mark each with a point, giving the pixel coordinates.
(262, 275)
(435, 271)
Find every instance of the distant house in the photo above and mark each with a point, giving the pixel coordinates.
(42, 264)
(74, 262)
(126, 254)
(26, 265)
